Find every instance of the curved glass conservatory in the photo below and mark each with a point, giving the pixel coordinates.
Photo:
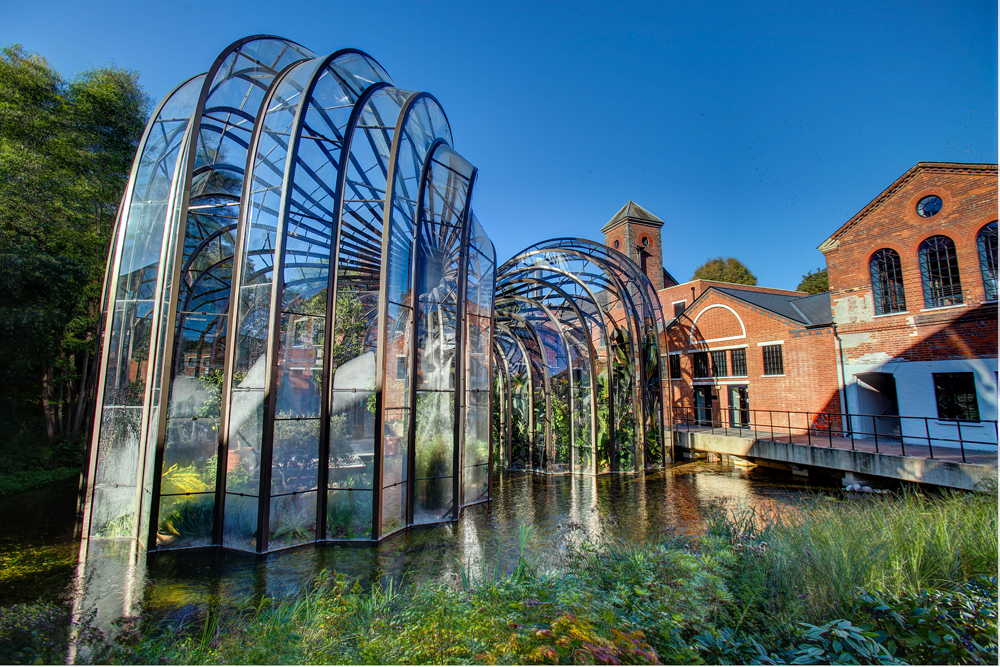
(578, 376)
(298, 313)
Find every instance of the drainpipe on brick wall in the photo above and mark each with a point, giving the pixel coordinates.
(842, 381)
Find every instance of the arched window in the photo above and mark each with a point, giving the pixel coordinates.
(887, 282)
(939, 272)
(987, 242)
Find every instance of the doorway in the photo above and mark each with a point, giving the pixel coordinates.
(877, 398)
(703, 406)
(739, 406)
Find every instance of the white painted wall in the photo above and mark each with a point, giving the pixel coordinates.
(915, 393)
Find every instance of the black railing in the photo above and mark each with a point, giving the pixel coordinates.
(889, 434)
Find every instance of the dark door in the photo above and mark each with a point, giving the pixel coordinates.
(703, 405)
(739, 406)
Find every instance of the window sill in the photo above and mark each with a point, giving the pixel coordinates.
(957, 305)
(964, 424)
(773, 376)
(902, 312)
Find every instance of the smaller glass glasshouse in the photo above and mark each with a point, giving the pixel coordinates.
(304, 334)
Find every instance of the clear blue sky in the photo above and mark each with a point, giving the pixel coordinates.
(754, 129)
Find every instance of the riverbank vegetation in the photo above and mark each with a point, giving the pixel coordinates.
(873, 580)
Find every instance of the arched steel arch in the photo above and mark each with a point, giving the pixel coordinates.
(293, 227)
(626, 322)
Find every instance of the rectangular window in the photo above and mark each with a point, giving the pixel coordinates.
(701, 367)
(719, 369)
(401, 367)
(956, 396)
(679, 307)
(739, 363)
(675, 366)
(773, 363)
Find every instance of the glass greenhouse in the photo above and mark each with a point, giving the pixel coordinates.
(297, 314)
(578, 386)
(304, 337)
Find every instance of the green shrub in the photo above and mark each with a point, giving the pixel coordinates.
(25, 480)
(943, 627)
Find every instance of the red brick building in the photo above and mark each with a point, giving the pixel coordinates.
(737, 348)
(913, 283)
(908, 329)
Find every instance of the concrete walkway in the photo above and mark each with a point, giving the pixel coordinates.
(886, 444)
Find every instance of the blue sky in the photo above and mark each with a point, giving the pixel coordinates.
(753, 129)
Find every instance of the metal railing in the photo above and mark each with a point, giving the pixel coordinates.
(843, 430)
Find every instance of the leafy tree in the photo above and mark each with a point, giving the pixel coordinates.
(66, 148)
(725, 270)
(814, 282)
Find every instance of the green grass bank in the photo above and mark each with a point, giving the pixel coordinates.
(873, 580)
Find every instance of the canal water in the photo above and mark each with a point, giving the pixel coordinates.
(547, 514)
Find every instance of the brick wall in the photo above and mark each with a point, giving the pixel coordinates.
(809, 383)
(969, 195)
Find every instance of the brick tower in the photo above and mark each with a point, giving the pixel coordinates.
(635, 232)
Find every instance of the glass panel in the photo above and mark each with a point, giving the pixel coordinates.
(293, 520)
(296, 447)
(349, 514)
(185, 521)
(240, 527)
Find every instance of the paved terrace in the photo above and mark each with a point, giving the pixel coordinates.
(893, 459)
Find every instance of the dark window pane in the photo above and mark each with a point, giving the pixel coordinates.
(679, 307)
(675, 366)
(701, 367)
(956, 396)
(987, 242)
(719, 364)
(739, 363)
(887, 282)
(773, 363)
(939, 272)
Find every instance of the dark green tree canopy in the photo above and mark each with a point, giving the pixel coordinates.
(814, 282)
(66, 149)
(726, 270)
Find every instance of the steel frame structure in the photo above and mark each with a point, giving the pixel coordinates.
(575, 313)
(297, 319)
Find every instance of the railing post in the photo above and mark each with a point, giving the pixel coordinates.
(927, 429)
(875, 433)
(809, 433)
(902, 440)
(850, 428)
(788, 423)
(961, 445)
(770, 421)
(829, 431)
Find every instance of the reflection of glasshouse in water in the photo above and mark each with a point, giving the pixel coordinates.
(298, 313)
(578, 386)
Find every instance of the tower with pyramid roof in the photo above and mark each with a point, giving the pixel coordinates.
(635, 232)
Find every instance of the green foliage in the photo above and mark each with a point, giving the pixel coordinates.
(34, 634)
(837, 642)
(726, 270)
(815, 282)
(25, 480)
(66, 148)
(727, 597)
(942, 627)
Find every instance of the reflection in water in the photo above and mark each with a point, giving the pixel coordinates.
(564, 510)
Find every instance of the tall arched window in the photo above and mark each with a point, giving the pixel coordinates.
(887, 282)
(987, 242)
(939, 272)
